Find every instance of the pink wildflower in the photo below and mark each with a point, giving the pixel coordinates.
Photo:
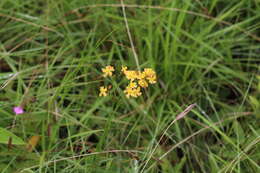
(18, 110)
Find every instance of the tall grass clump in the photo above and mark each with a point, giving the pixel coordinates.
(200, 112)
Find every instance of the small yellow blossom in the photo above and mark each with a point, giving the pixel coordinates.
(103, 91)
(132, 85)
(140, 75)
(143, 83)
(152, 79)
(133, 92)
(108, 71)
(123, 69)
(131, 74)
(150, 75)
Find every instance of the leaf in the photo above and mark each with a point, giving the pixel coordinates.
(239, 132)
(213, 163)
(179, 166)
(85, 133)
(5, 136)
(5, 167)
(33, 141)
(254, 102)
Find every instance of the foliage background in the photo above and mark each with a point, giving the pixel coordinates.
(204, 52)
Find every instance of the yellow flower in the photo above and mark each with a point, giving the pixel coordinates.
(140, 75)
(143, 83)
(131, 74)
(150, 75)
(132, 85)
(108, 71)
(123, 69)
(152, 79)
(103, 91)
(132, 90)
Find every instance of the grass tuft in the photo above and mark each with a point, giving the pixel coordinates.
(202, 115)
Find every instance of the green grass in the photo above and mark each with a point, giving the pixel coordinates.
(204, 52)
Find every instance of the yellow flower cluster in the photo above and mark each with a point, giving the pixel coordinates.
(132, 90)
(137, 80)
(150, 75)
(108, 71)
(103, 91)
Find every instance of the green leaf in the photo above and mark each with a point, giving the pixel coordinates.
(239, 132)
(5, 135)
(213, 163)
(180, 165)
(254, 102)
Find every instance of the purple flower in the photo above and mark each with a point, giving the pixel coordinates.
(18, 110)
